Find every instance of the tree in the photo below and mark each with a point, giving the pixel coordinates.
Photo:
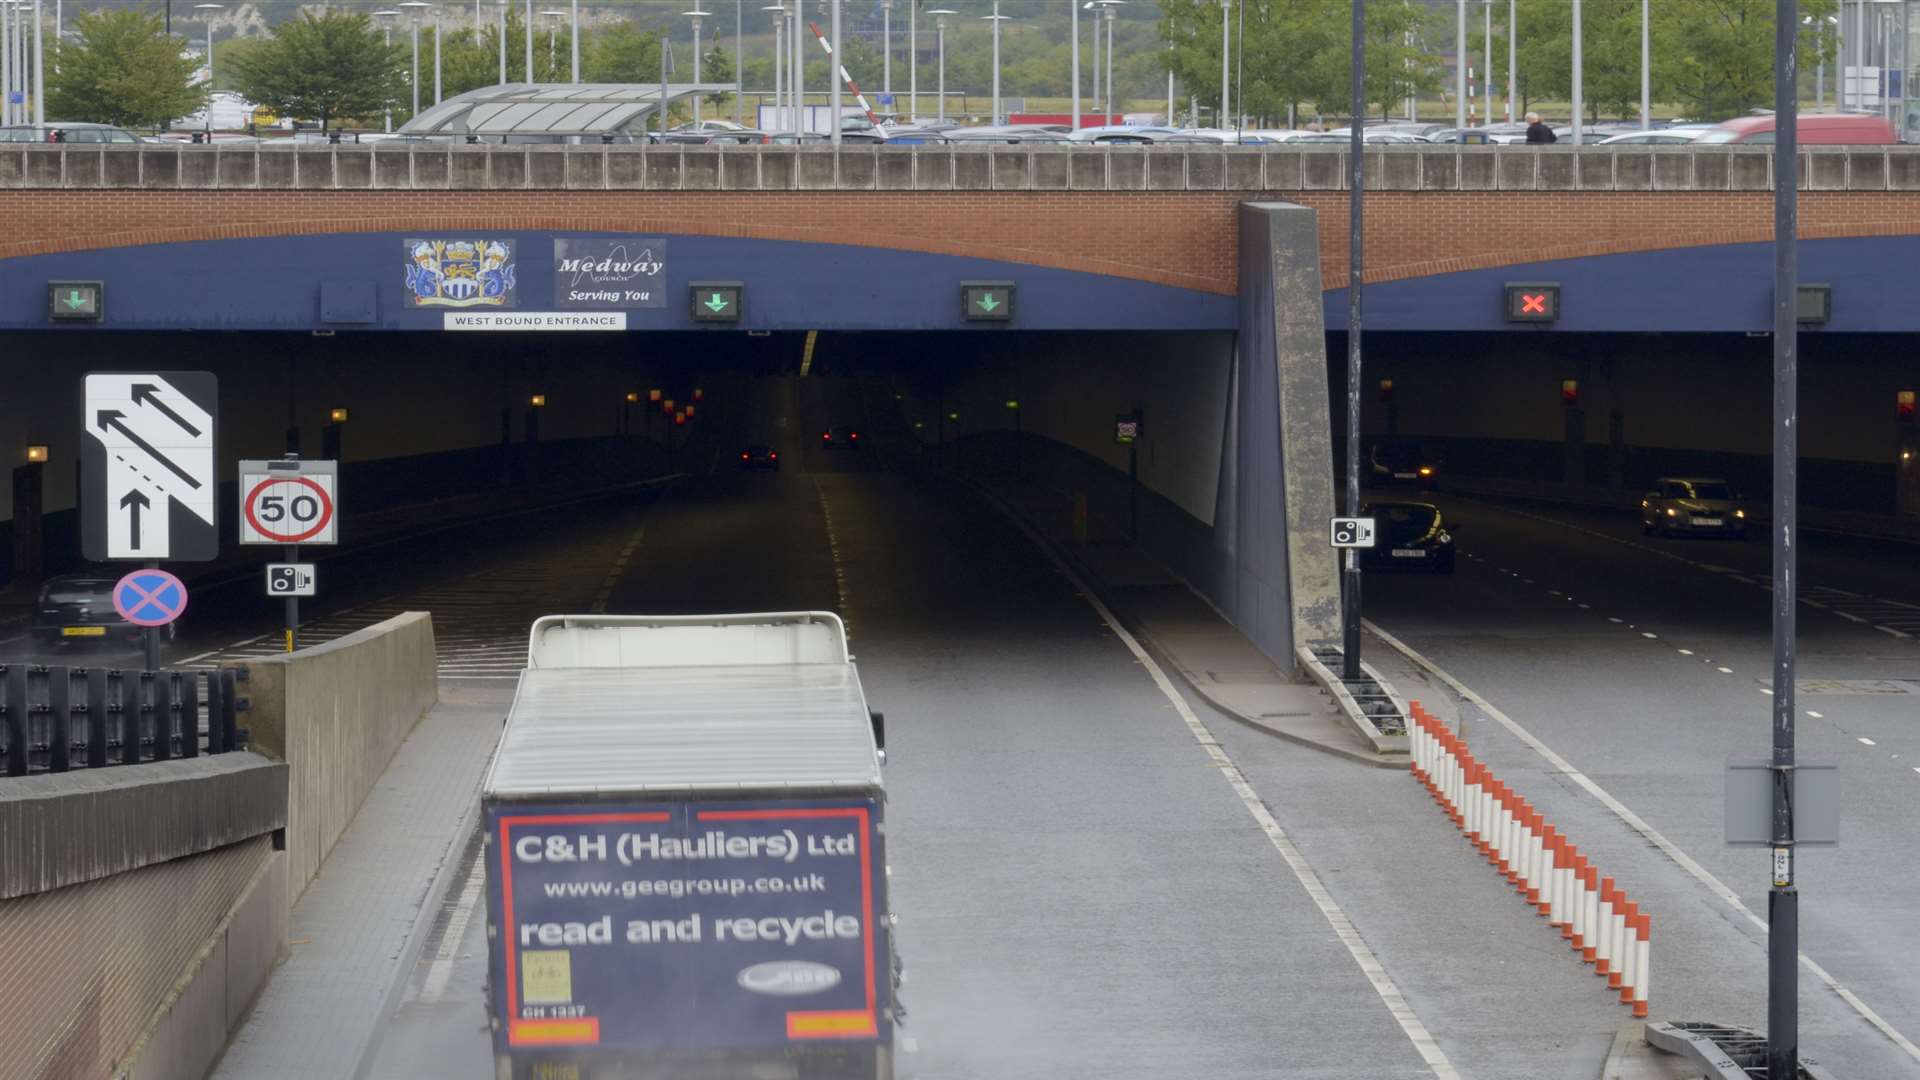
(325, 67)
(1716, 56)
(121, 68)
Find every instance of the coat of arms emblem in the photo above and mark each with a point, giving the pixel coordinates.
(460, 273)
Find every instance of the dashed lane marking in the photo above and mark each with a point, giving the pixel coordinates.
(1633, 821)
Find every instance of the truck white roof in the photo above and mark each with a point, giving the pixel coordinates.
(699, 726)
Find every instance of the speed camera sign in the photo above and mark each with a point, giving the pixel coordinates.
(1352, 532)
(289, 502)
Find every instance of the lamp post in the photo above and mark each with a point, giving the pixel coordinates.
(1579, 71)
(209, 9)
(553, 36)
(996, 19)
(529, 40)
(779, 12)
(834, 78)
(386, 34)
(886, 52)
(1226, 51)
(503, 42)
(40, 70)
(739, 64)
(1111, 10)
(1073, 35)
(940, 32)
(913, 61)
(1459, 69)
(1513, 54)
(413, 13)
(1646, 68)
(696, 15)
(797, 69)
(436, 56)
(1094, 7)
(573, 43)
(6, 62)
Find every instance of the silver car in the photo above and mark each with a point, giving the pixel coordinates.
(1681, 505)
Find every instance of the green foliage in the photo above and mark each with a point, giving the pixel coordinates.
(326, 67)
(120, 68)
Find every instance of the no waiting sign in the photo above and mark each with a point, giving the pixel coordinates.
(289, 502)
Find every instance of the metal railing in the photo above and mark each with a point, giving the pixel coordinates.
(55, 719)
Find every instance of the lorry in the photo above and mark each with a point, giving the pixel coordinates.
(685, 855)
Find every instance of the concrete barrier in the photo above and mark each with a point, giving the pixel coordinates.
(143, 907)
(336, 713)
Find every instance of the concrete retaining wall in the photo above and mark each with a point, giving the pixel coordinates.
(336, 713)
(144, 906)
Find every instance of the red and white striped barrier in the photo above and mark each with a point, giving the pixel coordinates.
(1594, 916)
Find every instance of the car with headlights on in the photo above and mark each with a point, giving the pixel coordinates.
(1409, 536)
(1692, 505)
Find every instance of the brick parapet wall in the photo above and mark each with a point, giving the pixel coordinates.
(1179, 236)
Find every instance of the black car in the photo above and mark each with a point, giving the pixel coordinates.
(77, 609)
(839, 436)
(1408, 536)
(1402, 463)
(760, 456)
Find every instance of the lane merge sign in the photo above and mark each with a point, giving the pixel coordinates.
(147, 466)
(1353, 532)
(289, 502)
(150, 597)
(290, 579)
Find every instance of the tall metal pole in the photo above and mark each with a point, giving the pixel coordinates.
(1859, 55)
(415, 28)
(1356, 247)
(1783, 900)
(1099, 110)
(886, 55)
(1579, 91)
(573, 42)
(1226, 53)
(913, 60)
(1486, 58)
(529, 40)
(386, 33)
(799, 70)
(1513, 54)
(1460, 67)
(943, 72)
(833, 74)
(6, 62)
(1646, 67)
(1169, 98)
(696, 70)
(1111, 15)
(59, 33)
(503, 42)
(1073, 17)
(996, 60)
(666, 57)
(739, 63)
(40, 71)
(779, 61)
(436, 57)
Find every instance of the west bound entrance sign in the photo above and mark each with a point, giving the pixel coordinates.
(600, 273)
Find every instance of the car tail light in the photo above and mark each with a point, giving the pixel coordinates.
(854, 435)
(743, 457)
(773, 457)
(826, 434)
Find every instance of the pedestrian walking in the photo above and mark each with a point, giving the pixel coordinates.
(1538, 132)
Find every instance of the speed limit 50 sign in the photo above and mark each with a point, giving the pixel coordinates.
(289, 502)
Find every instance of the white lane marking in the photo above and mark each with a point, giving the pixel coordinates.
(215, 652)
(1892, 631)
(599, 605)
(1634, 822)
(1686, 652)
(1613, 619)
(1850, 616)
(1724, 670)
(1423, 1041)
(1864, 741)
(1815, 715)
(1586, 607)
(1916, 768)
(438, 972)
(1649, 635)
(1766, 691)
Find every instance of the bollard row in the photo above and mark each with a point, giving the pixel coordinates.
(1593, 915)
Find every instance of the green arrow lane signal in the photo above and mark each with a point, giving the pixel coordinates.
(987, 302)
(75, 300)
(716, 303)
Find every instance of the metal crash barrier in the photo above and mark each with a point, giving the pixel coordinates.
(54, 719)
(1595, 916)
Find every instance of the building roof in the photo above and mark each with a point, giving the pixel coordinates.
(553, 108)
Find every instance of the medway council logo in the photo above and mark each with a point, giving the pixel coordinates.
(460, 273)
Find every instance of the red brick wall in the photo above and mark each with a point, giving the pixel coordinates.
(1174, 238)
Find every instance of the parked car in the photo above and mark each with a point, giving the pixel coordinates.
(1006, 134)
(760, 456)
(77, 609)
(727, 136)
(1409, 536)
(58, 131)
(1814, 129)
(1667, 136)
(915, 136)
(1689, 505)
(840, 436)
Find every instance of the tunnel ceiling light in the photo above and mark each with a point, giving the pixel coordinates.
(633, 396)
(1013, 403)
(338, 416)
(653, 395)
(538, 401)
(37, 452)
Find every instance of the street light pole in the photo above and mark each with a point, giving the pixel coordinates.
(1226, 51)
(1073, 14)
(886, 54)
(209, 8)
(503, 42)
(1356, 247)
(940, 25)
(529, 40)
(386, 35)
(696, 15)
(436, 56)
(1093, 6)
(1783, 900)
(996, 19)
(779, 61)
(833, 72)
(913, 61)
(573, 41)
(1646, 69)
(1459, 72)
(553, 36)
(413, 20)
(799, 71)
(40, 70)
(1579, 66)
(1110, 9)
(739, 64)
